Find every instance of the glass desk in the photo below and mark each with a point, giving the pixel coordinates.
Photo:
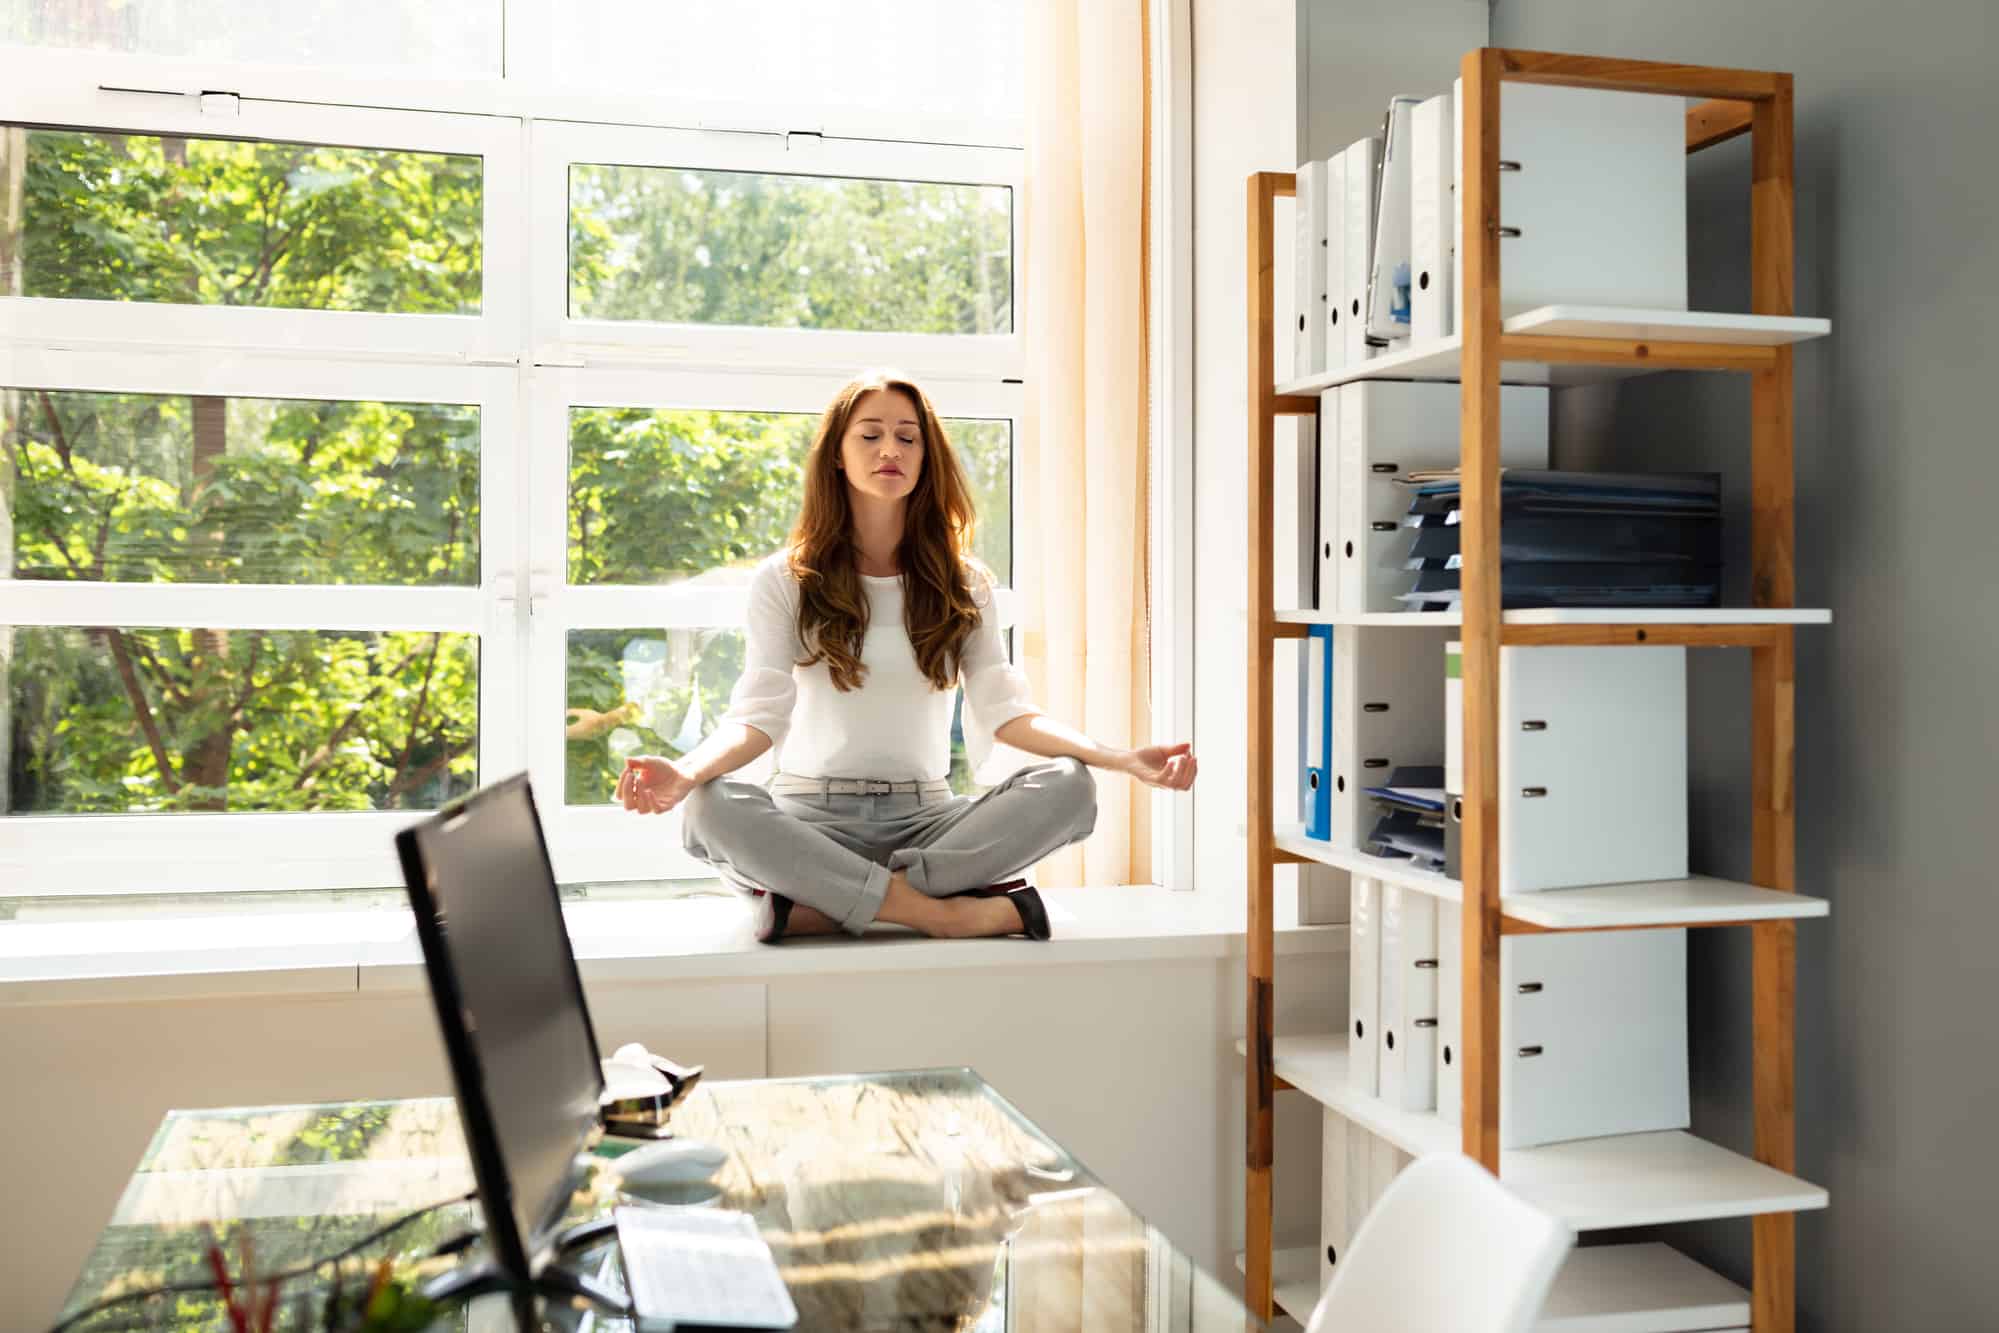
(918, 1200)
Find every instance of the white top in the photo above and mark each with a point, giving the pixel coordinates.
(895, 726)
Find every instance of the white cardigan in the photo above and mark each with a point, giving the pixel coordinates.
(896, 726)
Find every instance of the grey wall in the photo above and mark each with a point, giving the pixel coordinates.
(1898, 716)
(1353, 55)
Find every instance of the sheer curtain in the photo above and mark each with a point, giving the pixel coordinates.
(1081, 516)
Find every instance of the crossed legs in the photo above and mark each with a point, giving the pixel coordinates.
(841, 869)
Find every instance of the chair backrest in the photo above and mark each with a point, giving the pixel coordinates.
(1447, 1249)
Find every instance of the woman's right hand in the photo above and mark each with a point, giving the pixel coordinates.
(652, 785)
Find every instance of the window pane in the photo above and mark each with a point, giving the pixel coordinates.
(123, 720)
(641, 691)
(133, 217)
(797, 252)
(135, 488)
(431, 36)
(961, 58)
(658, 495)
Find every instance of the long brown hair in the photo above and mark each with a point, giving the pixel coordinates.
(935, 557)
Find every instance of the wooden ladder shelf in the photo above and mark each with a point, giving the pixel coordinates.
(1738, 101)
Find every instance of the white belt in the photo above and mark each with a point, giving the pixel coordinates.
(791, 784)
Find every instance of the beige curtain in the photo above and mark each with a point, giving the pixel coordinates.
(1081, 520)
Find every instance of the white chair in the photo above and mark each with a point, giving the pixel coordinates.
(1447, 1249)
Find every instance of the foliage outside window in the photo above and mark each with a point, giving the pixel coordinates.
(133, 217)
(804, 252)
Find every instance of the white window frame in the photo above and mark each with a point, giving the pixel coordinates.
(605, 842)
(520, 359)
(559, 339)
(490, 337)
(153, 853)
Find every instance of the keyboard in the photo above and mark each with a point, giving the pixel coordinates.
(701, 1266)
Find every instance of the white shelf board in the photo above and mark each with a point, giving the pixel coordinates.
(1628, 1180)
(1294, 1279)
(1659, 903)
(1669, 902)
(1643, 1288)
(1438, 360)
(1705, 326)
(1291, 838)
(1647, 1288)
(1574, 615)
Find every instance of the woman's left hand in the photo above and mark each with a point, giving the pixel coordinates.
(1169, 766)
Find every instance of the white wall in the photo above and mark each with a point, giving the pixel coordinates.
(1245, 119)
(1147, 1093)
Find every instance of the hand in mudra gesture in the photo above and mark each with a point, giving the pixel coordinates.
(651, 785)
(1170, 766)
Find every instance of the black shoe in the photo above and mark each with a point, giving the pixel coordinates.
(1025, 900)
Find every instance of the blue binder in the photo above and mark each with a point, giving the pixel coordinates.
(1315, 794)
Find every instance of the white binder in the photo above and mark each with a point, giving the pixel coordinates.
(1408, 998)
(1450, 1010)
(1595, 185)
(1336, 261)
(1388, 428)
(1333, 1232)
(1592, 1033)
(1388, 711)
(1387, 304)
(1363, 161)
(1308, 271)
(1326, 554)
(1298, 584)
(1592, 765)
(1363, 987)
(1433, 203)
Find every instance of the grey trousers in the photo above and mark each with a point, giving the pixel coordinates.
(836, 853)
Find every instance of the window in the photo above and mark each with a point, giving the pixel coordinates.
(204, 221)
(199, 488)
(121, 720)
(795, 252)
(351, 457)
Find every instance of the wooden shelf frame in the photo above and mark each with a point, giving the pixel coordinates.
(1760, 104)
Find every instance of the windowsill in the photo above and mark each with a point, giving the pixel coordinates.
(680, 939)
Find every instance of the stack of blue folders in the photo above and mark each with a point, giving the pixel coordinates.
(1409, 823)
(1575, 539)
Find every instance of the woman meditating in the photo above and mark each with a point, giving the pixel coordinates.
(859, 634)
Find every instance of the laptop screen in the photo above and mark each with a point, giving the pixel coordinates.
(523, 1052)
